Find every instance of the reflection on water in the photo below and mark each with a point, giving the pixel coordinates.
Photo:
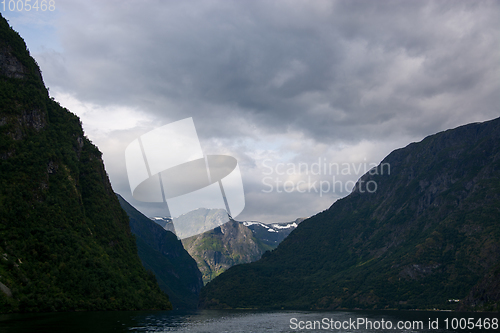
(246, 321)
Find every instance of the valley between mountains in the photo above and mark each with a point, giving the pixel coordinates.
(427, 238)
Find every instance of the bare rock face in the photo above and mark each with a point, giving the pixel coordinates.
(19, 117)
(34, 119)
(5, 290)
(10, 66)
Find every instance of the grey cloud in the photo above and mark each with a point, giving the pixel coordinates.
(252, 58)
(334, 71)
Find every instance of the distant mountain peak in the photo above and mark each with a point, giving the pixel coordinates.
(229, 242)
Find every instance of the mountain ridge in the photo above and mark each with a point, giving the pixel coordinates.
(428, 234)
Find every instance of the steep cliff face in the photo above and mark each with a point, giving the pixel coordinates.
(162, 253)
(65, 242)
(430, 233)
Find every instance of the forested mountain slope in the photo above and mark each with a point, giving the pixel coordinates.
(429, 234)
(65, 242)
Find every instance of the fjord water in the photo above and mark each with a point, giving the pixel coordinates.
(233, 321)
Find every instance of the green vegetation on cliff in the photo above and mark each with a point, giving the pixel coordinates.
(65, 242)
(428, 235)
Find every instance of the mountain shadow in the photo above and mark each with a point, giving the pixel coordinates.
(162, 253)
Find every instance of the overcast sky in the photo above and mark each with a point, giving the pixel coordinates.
(275, 84)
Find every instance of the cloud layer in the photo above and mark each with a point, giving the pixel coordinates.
(285, 81)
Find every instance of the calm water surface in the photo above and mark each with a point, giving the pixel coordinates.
(245, 321)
